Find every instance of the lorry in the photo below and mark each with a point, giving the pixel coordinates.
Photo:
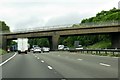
(22, 45)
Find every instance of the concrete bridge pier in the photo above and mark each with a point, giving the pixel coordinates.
(54, 42)
(116, 40)
(4, 42)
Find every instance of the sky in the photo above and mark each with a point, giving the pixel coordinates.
(34, 14)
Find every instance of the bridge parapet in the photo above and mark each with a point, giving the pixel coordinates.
(67, 26)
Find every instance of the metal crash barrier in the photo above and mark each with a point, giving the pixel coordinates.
(114, 52)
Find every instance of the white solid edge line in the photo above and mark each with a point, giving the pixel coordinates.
(8, 59)
(50, 67)
(103, 64)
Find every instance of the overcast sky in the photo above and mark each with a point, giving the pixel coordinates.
(22, 14)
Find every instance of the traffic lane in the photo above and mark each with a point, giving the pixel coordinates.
(6, 56)
(27, 66)
(71, 68)
(91, 58)
(101, 60)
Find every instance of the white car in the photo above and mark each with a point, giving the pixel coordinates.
(45, 49)
(37, 49)
(32, 49)
(66, 48)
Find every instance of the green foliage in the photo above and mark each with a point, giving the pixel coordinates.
(3, 26)
(2, 52)
(101, 44)
(10, 43)
(85, 40)
(42, 42)
(103, 16)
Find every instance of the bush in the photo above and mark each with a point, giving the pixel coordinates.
(2, 52)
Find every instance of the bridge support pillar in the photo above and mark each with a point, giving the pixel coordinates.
(116, 40)
(4, 43)
(54, 42)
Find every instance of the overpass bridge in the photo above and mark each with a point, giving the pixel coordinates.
(53, 35)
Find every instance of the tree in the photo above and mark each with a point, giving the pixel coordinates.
(41, 42)
(3, 26)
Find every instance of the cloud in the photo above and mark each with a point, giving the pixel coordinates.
(71, 18)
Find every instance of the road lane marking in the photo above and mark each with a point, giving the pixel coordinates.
(63, 79)
(38, 58)
(103, 64)
(35, 56)
(8, 59)
(58, 55)
(80, 59)
(49, 67)
(42, 61)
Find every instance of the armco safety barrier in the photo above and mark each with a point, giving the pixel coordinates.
(98, 51)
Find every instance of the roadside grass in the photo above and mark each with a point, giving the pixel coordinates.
(2, 52)
(100, 45)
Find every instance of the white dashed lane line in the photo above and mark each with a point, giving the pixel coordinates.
(49, 67)
(38, 58)
(103, 64)
(42, 61)
(80, 59)
(35, 56)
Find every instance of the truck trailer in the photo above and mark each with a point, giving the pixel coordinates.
(22, 45)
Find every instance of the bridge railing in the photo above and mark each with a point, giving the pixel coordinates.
(44, 28)
(91, 24)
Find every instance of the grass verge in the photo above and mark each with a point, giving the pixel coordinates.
(102, 44)
(2, 52)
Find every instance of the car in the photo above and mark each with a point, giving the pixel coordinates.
(37, 49)
(45, 49)
(32, 49)
(66, 48)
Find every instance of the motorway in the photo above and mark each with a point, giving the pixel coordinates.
(61, 65)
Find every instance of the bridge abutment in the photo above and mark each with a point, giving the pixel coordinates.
(116, 40)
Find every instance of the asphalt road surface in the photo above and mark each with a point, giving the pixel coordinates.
(60, 65)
